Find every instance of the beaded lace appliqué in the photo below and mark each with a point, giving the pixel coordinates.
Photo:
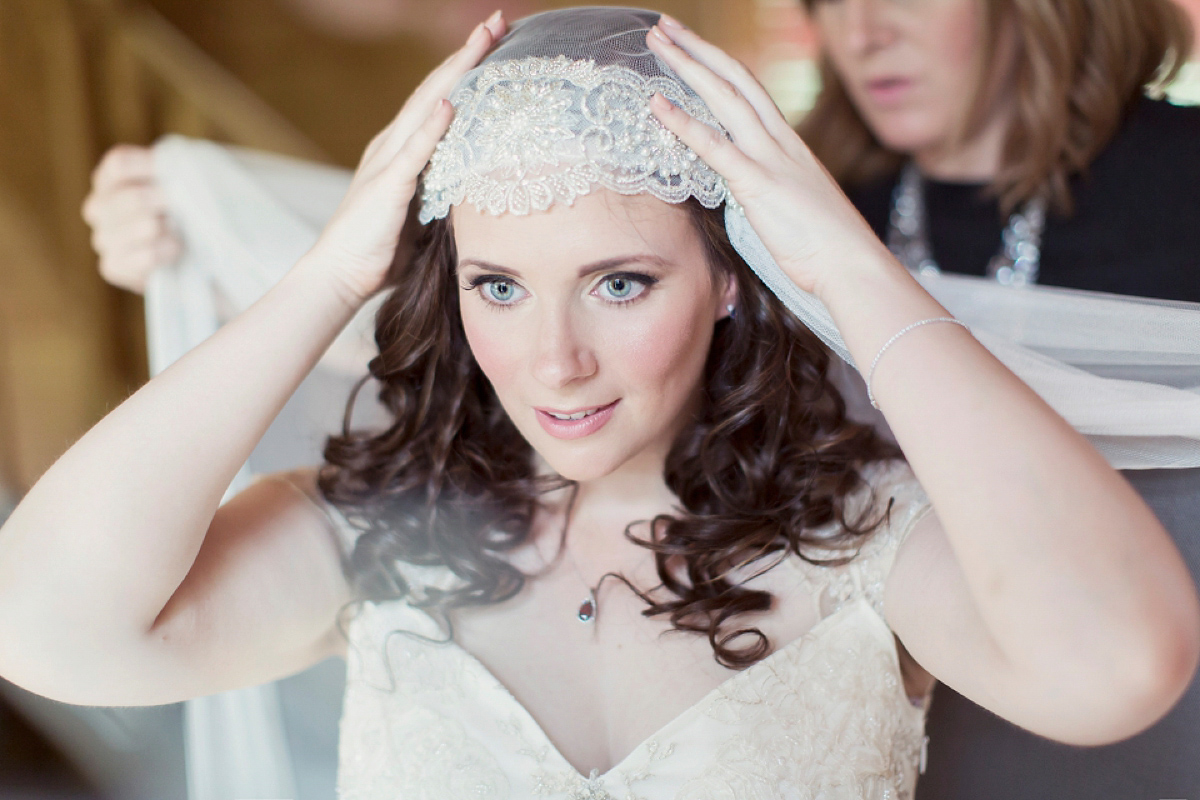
(535, 131)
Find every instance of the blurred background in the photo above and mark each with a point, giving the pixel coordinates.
(308, 78)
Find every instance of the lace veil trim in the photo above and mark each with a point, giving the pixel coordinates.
(536, 131)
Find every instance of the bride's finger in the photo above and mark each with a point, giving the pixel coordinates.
(727, 103)
(415, 153)
(497, 24)
(437, 85)
(732, 70)
(441, 80)
(709, 143)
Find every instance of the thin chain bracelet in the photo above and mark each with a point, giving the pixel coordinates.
(889, 342)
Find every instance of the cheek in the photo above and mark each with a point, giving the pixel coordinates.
(660, 352)
(491, 343)
(959, 31)
(951, 40)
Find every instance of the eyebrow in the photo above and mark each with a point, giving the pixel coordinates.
(584, 271)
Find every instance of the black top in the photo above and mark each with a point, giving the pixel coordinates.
(1136, 225)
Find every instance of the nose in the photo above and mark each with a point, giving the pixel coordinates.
(562, 352)
(866, 25)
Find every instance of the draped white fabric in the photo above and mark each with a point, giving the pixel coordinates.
(1124, 371)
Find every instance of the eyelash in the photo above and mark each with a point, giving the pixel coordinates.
(645, 280)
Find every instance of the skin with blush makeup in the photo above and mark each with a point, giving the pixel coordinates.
(605, 308)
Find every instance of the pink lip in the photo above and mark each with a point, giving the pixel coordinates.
(575, 428)
(888, 92)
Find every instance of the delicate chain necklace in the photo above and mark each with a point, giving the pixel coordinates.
(908, 235)
(589, 609)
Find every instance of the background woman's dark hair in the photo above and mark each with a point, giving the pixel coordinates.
(1081, 64)
(770, 457)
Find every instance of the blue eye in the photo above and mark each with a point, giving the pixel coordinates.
(619, 287)
(498, 290)
(625, 287)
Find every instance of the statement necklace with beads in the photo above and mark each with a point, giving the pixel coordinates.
(908, 235)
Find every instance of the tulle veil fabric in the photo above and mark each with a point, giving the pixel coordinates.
(1123, 371)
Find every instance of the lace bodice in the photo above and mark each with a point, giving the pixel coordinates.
(824, 717)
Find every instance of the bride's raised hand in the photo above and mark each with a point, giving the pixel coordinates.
(802, 216)
(360, 240)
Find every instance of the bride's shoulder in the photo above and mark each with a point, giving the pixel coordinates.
(898, 502)
(886, 504)
(348, 527)
(891, 484)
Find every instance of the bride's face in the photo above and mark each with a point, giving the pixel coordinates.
(604, 308)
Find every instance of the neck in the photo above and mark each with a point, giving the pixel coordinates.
(636, 491)
(603, 508)
(975, 160)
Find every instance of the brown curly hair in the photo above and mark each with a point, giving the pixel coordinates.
(769, 457)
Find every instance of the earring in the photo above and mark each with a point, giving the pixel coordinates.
(732, 311)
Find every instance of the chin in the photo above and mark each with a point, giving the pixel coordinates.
(582, 466)
(905, 132)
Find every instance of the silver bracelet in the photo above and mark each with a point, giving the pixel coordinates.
(888, 343)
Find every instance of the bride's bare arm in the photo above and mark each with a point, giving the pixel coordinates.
(122, 581)
(1043, 587)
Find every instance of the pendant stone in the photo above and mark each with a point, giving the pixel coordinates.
(587, 609)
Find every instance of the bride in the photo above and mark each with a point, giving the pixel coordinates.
(604, 429)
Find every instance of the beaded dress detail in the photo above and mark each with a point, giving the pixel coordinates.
(825, 717)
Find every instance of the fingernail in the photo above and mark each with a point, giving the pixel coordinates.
(495, 17)
(667, 21)
(475, 33)
(658, 34)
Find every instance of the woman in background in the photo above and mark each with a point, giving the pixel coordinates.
(1022, 130)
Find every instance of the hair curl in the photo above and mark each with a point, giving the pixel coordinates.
(1081, 64)
(770, 456)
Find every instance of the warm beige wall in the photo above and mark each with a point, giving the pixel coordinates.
(339, 90)
(62, 359)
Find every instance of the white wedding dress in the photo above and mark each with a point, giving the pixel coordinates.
(825, 717)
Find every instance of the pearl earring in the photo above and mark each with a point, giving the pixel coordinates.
(731, 310)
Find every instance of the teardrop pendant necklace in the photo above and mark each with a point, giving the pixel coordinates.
(589, 609)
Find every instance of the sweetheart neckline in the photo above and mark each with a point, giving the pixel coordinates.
(794, 646)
